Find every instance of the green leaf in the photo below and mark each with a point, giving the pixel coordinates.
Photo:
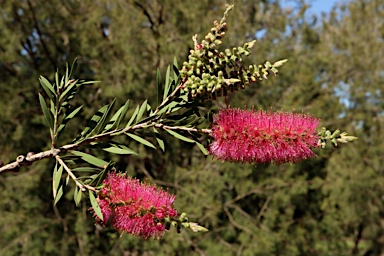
(57, 173)
(120, 149)
(48, 88)
(94, 120)
(73, 68)
(68, 91)
(59, 195)
(176, 72)
(164, 109)
(133, 116)
(175, 63)
(179, 136)
(117, 117)
(67, 180)
(86, 169)
(159, 140)
(202, 148)
(57, 79)
(52, 108)
(47, 113)
(68, 117)
(143, 108)
(103, 174)
(90, 159)
(89, 82)
(141, 140)
(124, 111)
(96, 123)
(159, 86)
(104, 119)
(77, 195)
(95, 205)
(73, 113)
(167, 83)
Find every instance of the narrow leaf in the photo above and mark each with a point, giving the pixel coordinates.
(77, 195)
(73, 68)
(47, 113)
(104, 119)
(86, 169)
(73, 113)
(123, 113)
(92, 123)
(202, 148)
(167, 83)
(57, 78)
(95, 205)
(122, 150)
(59, 195)
(133, 116)
(141, 140)
(117, 117)
(68, 91)
(179, 136)
(90, 159)
(48, 88)
(159, 140)
(143, 108)
(57, 173)
(68, 117)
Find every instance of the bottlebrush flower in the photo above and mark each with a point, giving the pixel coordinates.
(263, 137)
(133, 207)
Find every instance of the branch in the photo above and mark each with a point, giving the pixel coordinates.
(22, 160)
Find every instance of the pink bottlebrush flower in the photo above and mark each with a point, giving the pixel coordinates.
(262, 137)
(133, 207)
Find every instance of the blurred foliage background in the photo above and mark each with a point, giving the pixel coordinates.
(329, 205)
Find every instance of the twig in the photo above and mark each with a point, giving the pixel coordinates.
(83, 187)
(165, 101)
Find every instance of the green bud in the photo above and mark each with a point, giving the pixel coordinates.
(249, 44)
(218, 42)
(268, 64)
(279, 63)
(335, 134)
(205, 76)
(220, 74)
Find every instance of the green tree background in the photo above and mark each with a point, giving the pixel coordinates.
(329, 205)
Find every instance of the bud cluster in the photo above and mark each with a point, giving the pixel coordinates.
(337, 136)
(209, 73)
